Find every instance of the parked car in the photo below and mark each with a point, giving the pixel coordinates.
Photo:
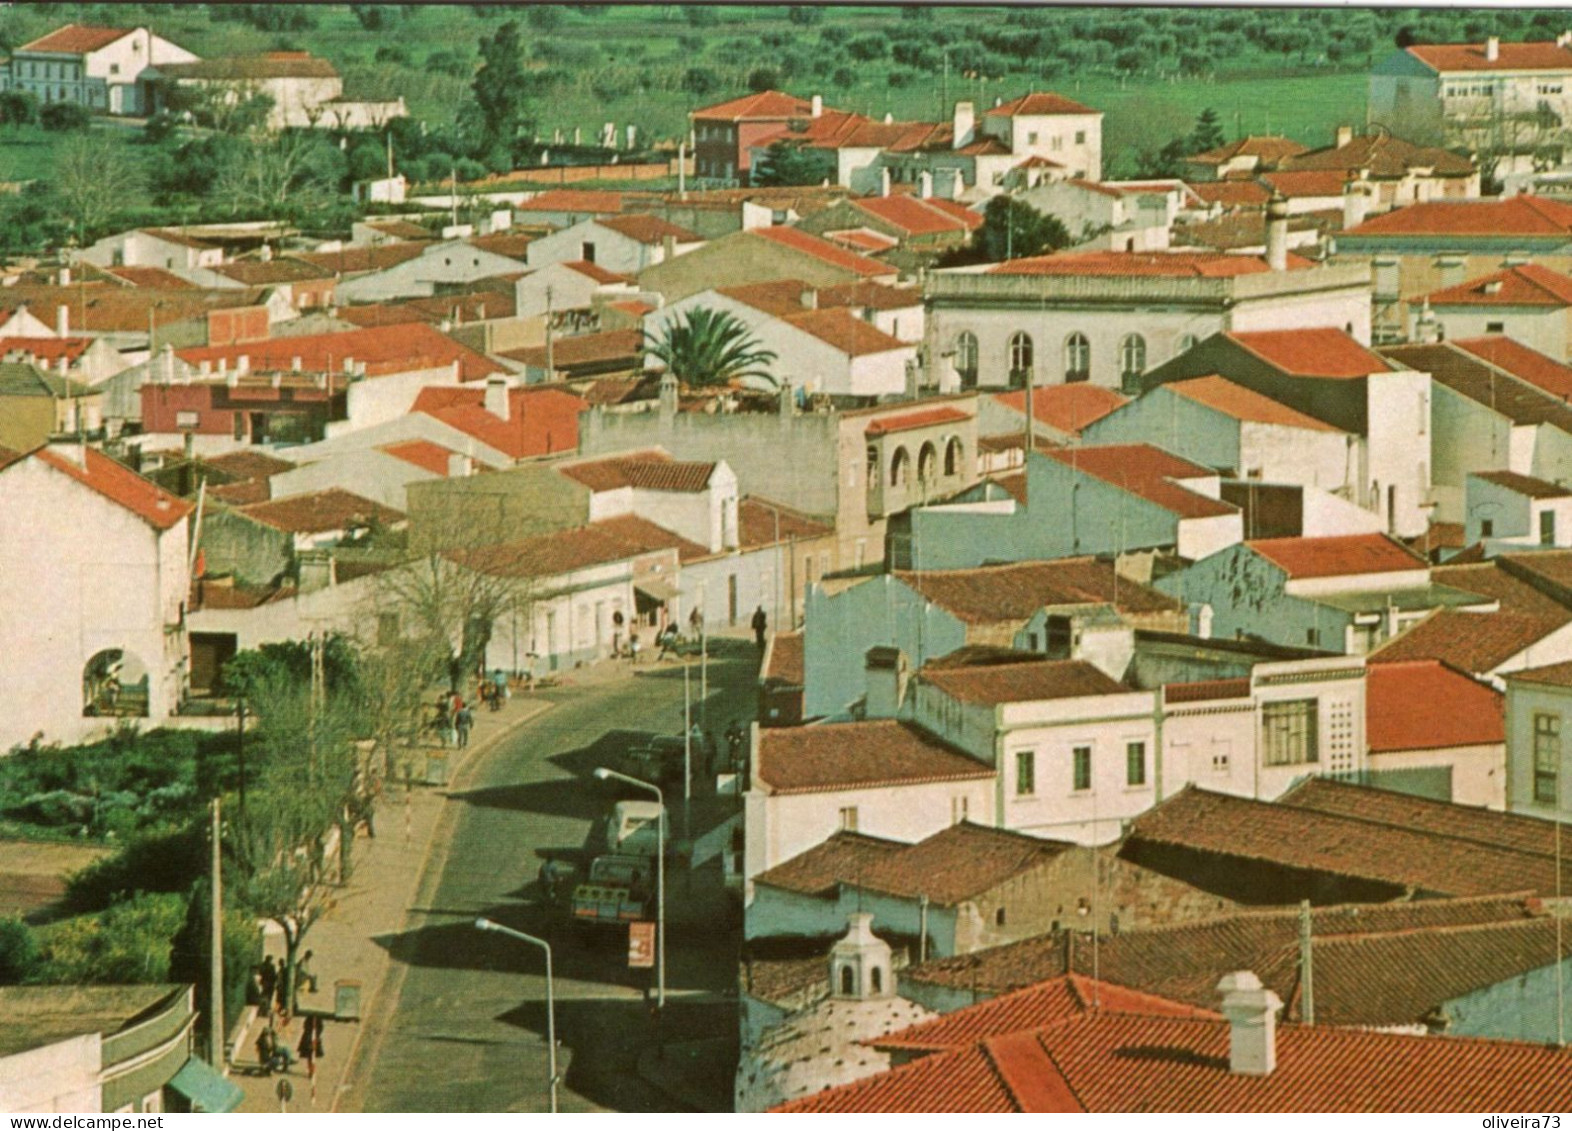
(630, 830)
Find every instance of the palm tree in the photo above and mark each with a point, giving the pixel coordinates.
(710, 347)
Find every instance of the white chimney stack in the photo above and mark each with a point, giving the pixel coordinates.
(1277, 233)
(884, 181)
(1343, 136)
(1355, 203)
(63, 321)
(925, 184)
(1251, 1010)
(1493, 48)
(818, 105)
(497, 397)
(458, 465)
(65, 276)
(963, 123)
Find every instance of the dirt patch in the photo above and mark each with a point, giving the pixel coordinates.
(33, 873)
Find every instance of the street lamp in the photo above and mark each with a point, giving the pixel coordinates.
(660, 876)
(551, 1005)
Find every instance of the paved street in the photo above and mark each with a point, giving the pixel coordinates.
(464, 1030)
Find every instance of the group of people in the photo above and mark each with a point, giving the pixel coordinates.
(277, 1003)
(454, 720)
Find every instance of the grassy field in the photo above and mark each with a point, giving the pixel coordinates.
(634, 64)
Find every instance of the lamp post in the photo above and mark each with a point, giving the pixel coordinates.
(660, 876)
(551, 1005)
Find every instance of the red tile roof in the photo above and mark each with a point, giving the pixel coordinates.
(1147, 472)
(1268, 149)
(959, 863)
(871, 296)
(835, 756)
(351, 260)
(1037, 103)
(1244, 404)
(863, 240)
(1206, 690)
(918, 418)
(1527, 284)
(1013, 593)
(573, 200)
(647, 229)
(1550, 675)
(591, 271)
(845, 332)
(1447, 57)
(1342, 555)
(1038, 681)
(1084, 1065)
(650, 471)
(245, 464)
(564, 551)
(787, 663)
(46, 349)
(606, 349)
(1069, 408)
(1232, 194)
(1425, 705)
(1522, 362)
(1168, 264)
(763, 523)
(1309, 182)
(75, 39)
(1216, 827)
(1494, 219)
(151, 277)
(764, 105)
(1524, 484)
(383, 350)
(1382, 155)
(1478, 642)
(115, 482)
(918, 217)
(1317, 352)
(823, 250)
(421, 453)
(318, 512)
(1466, 374)
(1056, 999)
(269, 65)
(540, 420)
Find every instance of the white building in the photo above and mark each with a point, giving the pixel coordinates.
(1108, 317)
(1528, 303)
(95, 623)
(622, 244)
(574, 285)
(448, 262)
(168, 248)
(101, 68)
(1507, 511)
(1538, 757)
(306, 92)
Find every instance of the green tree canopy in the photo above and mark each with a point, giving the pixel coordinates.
(710, 347)
(501, 88)
(786, 164)
(1012, 228)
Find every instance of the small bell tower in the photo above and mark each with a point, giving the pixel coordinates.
(860, 967)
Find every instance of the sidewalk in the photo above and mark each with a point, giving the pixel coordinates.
(386, 873)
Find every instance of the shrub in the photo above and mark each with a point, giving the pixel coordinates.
(128, 942)
(18, 952)
(62, 116)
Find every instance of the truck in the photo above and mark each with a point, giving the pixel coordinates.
(616, 890)
(630, 829)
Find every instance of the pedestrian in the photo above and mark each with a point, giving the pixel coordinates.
(463, 721)
(734, 740)
(305, 979)
(307, 1048)
(441, 723)
(696, 623)
(267, 978)
(667, 639)
(616, 633)
(760, 622)
(267, 1049)
(633, 647)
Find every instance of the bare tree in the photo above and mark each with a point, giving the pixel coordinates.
(279, 177)
(94, 180)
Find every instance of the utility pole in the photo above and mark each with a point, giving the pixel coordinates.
(551, 360)
(1306, 964)
(215, 1009)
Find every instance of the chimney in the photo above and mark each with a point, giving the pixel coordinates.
(1493, 48)
(497, 397)
(884, 181)
(1251, 1010)
(668, 248)
(963, 124)
(266, 255)
(884, 681)
(1354, 204)
(63, 321)
(1564, 39)
(243, 363)
(1343, 136)
(668, 395)
(925, 184)
(294, 364)
(166, 363)
(818, 105)
(787, 402)
(1277, 233)
(458, 465)
(65, 276)
(810, 298)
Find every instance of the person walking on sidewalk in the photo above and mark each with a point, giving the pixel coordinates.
(463, 721)
(760, 622)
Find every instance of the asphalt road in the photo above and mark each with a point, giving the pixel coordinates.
(467, 1031)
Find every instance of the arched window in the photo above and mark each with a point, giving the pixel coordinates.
(848, 980)
(1132, 359)
(966, 357)
(1020, 357)
(927, 463)
(1077, 358)
(1187, 343)
(954, 455)
(876, 979)
(900, 468)
(115, 683)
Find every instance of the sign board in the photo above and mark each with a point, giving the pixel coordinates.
(641, 945)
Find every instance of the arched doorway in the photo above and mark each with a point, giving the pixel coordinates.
(115, 685)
